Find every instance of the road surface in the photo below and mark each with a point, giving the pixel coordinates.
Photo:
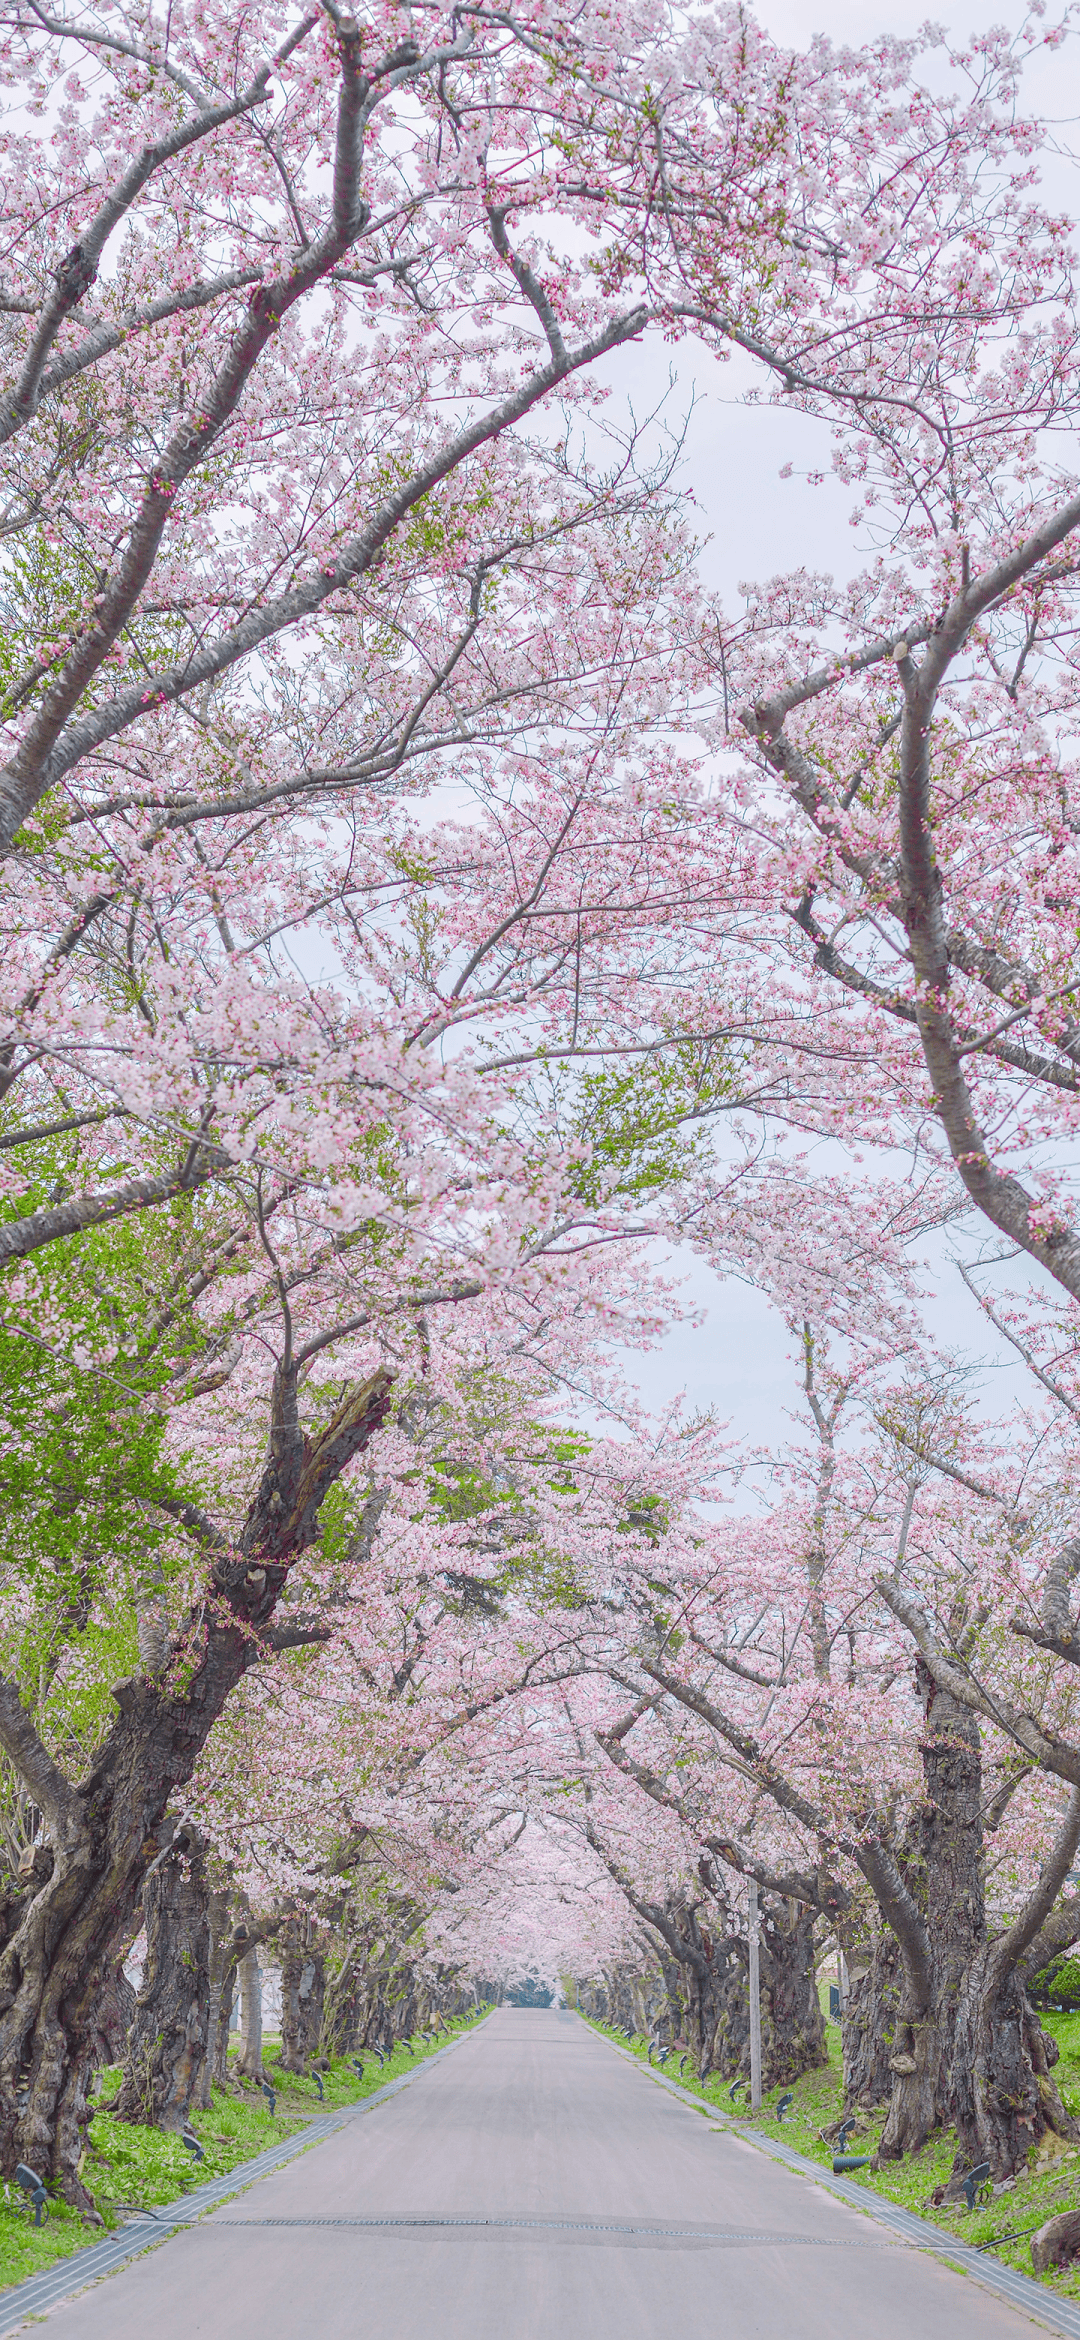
(621, 2214)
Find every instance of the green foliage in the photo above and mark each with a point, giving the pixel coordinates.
(1058, 1985)
(86, 1351)
(647, 1127)
(48, 593)
(647, 1516)
(480, 1467)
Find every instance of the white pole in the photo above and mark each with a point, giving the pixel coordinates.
(841, 1980)
(755, 2006)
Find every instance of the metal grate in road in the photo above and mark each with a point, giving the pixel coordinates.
(620, 2226)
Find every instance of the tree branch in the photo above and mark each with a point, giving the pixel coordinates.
(282, 1520)
(47, 751)
(1058, 1932)
(51, 1224)
(1050, 1753)
(34, 1131)
(103, 338)
(1010, 1947)
(197, 1522)
(79, 267)
(54, 1795)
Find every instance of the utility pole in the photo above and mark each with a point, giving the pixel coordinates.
(755, 2005)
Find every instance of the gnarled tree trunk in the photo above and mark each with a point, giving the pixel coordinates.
(169, 2038)
(339, 2017)
(223, 1959)
(868, 2024)
(940, 1920)
(792, 2025)
(1004, 2096)
(228, 1943)
(968, 2050)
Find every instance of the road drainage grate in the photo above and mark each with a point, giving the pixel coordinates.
(725, 2234)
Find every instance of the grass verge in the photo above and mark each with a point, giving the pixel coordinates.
(1050, 2183)
(130, 2168)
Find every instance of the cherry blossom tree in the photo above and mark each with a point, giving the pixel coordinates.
(807, 1655)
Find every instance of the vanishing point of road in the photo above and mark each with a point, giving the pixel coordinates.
(617, 2213)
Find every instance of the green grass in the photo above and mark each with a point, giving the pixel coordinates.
(129, 2168)
(1037, 2193)
(1066, 2030)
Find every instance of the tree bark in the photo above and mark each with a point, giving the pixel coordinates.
(339, 2000)
(943, 1873)
(114, 2014)
(969, 2050)
(292, 1968)
(1004, 2096)
(221, 1997)
(169, 2038)
(792, 2025)
(249, 2063)
(868, 2027)
(226, 1945)
(312, 1995)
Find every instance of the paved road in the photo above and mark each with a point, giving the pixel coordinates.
(627, 2217)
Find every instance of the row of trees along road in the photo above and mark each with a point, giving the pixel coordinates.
(422, 905)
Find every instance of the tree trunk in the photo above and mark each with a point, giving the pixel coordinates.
(103, 1833)
(917, 2104)
(1004, 2097)
(944, 1873)
(114, 2014)
(169, 2038)
(292, 1968)
(225, 1946)
(220, 2071)
(868, 2026)
(968, 2051)
(670, 2008)
(792, 2025)
(312, 1996)
(338, 2018)
(53, 1964)
(249, 2063)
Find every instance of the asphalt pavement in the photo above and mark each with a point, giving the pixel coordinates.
(534, 2185)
